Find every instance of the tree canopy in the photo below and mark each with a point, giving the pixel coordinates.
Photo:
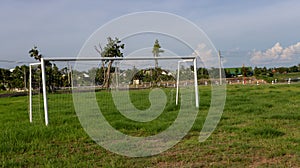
(35, 53)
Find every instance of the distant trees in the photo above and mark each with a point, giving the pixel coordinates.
(5, 79)
(228, 73)
(147, 75)
(257, 71)
(263, 71)
(202, 73)
(270, 74)
(15, 79)
(236, 71)
(294, 69)
(19, 77)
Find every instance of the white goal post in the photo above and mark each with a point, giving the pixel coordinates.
(194, 60)
(30, 89)
(181, 59)
(42, 64)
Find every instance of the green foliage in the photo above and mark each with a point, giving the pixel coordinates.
(97, 74)
(202, 73)
(17, 79)
(152, 75)
(5, 79)
(112, 48)
(35, 53)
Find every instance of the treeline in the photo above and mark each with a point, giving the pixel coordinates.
(14, 79)
(271, 71)
(279, 74)
(18, 78)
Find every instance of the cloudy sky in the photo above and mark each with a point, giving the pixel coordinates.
(254, 33)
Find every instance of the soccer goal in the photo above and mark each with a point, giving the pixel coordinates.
(119, 83)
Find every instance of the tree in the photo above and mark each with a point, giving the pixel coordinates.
(257, 71)
(5, 79)
(293, 69)
(97, 75)
(112, 49)
(35, 53)
(19, 77)
(49, 69)
(227, 73)
(156, 50)
(202, 73)
(236, 72)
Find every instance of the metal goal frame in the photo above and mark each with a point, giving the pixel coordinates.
(181, 59)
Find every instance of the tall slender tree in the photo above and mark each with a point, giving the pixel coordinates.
(49, 69)
(35, 53)
(156, 50)
(112, 49)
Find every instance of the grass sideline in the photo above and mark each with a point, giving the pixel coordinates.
(259, 127)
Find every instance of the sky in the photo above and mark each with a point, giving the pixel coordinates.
(255, 33)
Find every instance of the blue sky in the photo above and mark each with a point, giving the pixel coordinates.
(254, 33)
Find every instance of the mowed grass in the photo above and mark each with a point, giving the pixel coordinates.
(260, 127)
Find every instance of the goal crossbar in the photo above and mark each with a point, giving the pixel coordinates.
(116, 58)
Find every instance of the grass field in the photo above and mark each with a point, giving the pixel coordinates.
(260, 127)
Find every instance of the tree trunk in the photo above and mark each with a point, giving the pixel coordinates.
(156, 63)
(104, 73)
(107, 76)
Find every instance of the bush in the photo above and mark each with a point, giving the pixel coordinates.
(2, 87)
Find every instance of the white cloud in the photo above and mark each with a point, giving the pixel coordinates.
(255, 25)
(208, 55)
(276, 54)
(203, 52)
(289, 52)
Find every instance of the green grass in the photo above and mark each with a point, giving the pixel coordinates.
(282, 78)
(286, 76)
(259, 128)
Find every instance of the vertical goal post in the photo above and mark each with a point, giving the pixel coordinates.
(194, 60)
(30, 89)
(182, 59)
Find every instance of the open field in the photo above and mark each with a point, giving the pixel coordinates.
(260, 126)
